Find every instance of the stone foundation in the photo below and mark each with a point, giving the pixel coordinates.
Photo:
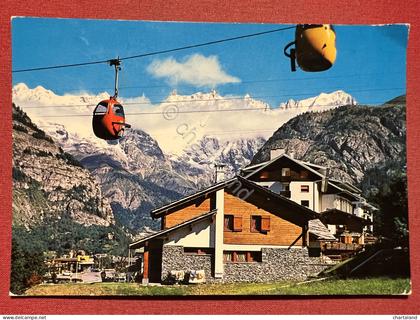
(174, 258)
(277, 264)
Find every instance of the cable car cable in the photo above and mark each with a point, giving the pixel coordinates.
(209, 111)
(251, 81)
(206, 100)
(155, 52)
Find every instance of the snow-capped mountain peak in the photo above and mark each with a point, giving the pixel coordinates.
(41, 96)
(197, 97)
(180, 120)
(333, 99)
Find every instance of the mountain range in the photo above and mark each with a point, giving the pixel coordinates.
(137, 174)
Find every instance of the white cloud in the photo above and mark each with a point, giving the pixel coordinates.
(196, 70)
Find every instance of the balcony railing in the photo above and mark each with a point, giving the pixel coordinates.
(341, 246)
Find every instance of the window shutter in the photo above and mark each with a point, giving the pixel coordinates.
(265, 223)
(237, 223)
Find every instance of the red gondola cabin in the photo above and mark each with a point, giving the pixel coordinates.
(109, 120)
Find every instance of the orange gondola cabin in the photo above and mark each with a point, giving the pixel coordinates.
(109, 120)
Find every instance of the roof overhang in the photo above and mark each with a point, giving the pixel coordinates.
(320, 231)
(338, 217)
(188, 200)
(163, 233)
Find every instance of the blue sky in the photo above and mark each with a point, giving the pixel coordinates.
(371, 60)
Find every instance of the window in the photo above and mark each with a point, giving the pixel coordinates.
(242, 256)
(227, 256)
(305, 203)
(260, 224)
(303, 174)
(228, 222)
(254, 256)
(118, 110)
(232, 223)
(304, 188)
(285, 172)
(101, 108)
(255, 223)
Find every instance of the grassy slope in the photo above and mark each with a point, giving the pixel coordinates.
(372, 286)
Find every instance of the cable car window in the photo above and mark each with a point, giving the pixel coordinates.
(101, 108)
(118, 110)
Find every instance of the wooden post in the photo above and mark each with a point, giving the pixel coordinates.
(145, 266)
(305, 239)
(128, 274)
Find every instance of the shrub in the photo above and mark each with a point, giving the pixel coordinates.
(27, 264)
(69, 159)
(39, 134)
(18, 175)
(20, 128)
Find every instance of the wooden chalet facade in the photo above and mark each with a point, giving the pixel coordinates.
(267, 224)
(340, 204)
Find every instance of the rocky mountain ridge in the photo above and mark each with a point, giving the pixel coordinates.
(350, 140)
(48, 182)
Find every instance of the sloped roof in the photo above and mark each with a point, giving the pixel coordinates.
(318, 229)
(273, 202)
(336, 216)
(254, 166)
(265, 198)
(156, 213)
(141, 242)
(344, 187)
(284, 155)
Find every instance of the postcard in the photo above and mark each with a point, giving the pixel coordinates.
(179, 158)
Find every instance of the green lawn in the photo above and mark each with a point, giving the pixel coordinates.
(368, 286)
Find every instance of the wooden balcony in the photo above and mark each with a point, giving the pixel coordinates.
(338, 246)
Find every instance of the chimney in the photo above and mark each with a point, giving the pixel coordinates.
(324, 182)
(325, 171)
(274, 153)
(220, 172)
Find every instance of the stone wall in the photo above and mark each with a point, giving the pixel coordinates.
(174, 258)
(277, 264)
